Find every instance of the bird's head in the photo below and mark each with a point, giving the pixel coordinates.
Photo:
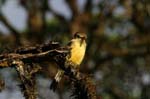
(80, 36)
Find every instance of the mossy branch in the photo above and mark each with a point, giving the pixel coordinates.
(25, 61)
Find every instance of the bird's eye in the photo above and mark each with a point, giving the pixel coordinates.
(78, 36)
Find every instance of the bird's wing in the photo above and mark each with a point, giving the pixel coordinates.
(69, 43)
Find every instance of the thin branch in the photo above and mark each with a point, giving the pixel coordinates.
(73, 7)
(88, 6)
(60, 17)
(37, 49)
(2, 85)
(14, 32)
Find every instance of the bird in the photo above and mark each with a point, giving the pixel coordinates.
(77, 47)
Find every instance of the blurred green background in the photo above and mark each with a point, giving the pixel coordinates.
(118, 51)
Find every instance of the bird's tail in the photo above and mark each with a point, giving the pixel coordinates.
(56, 80)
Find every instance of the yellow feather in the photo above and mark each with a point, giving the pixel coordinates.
(77, 51)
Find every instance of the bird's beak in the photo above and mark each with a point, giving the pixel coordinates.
(82, 40)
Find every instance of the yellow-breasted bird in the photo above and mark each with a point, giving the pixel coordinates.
(77, 48)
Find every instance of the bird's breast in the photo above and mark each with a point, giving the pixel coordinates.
(77, 53)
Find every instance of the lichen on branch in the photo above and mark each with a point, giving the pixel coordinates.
(25, 60)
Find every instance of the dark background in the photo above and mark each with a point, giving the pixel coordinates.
(118, 51)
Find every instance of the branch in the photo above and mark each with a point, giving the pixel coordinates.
(25, 61)
(88, 6)
(2, 85)
(60, 17)
(27, 77)
(83, 87)
(38, 48)
(14, 32)
(73, 7)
